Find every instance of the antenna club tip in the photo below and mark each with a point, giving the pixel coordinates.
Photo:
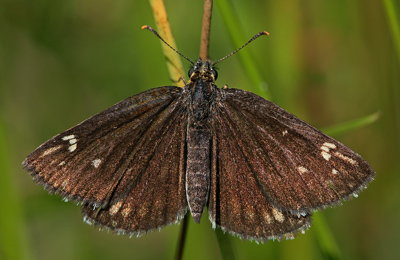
(145, 27)
(265, 32)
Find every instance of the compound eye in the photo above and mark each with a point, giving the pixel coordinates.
(191, 71)
(215, 73)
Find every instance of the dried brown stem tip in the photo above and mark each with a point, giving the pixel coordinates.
(206, 27)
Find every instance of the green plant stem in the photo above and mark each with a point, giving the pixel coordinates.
(394, 23)
(352, 125)
(325, 238)
(225, 245)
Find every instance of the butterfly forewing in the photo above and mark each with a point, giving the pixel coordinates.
(237, 203)
(151, 193)
(87, 162)
(298, 168)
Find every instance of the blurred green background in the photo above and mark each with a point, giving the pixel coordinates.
(328, 62)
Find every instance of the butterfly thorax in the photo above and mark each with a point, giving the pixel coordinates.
(199, 137)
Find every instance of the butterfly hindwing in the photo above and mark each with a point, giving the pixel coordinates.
(298, 168)
(237, 203)
(88, 161)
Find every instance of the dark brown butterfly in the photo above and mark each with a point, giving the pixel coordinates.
(141, 164)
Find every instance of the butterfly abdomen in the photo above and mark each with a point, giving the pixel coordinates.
(198, 150)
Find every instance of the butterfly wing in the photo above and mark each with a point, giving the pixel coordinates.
(130, 154)
(237, 203)
(151, 194)
(297, 167)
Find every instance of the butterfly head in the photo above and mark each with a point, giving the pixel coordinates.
(203, 70)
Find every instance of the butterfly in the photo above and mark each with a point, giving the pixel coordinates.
(143, 163)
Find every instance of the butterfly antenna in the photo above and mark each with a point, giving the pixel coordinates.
(156, 34)
(252, 39)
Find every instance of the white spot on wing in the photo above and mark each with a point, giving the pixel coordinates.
(114, 209)
(325, 148)
(345, 158)
(68, 137)
(267, 217)
(96, 163)
(284, 132)
(72, 142)
(72, 148)
(125, 212)
(330, 145)
(334, 171)
(326, 155)
(61, 163)
(301, 169)
(51, 150)
(278, 215)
